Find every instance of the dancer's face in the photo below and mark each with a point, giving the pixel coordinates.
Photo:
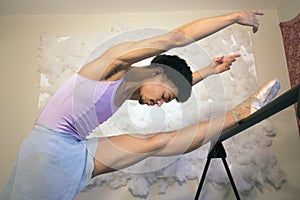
(157, 93)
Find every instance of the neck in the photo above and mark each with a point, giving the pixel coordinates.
(129, 88)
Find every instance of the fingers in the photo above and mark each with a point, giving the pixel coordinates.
(218, 60)
(235, 55)
(232, 58)
(255, 28)
(227, 59)
(256, 23)
(222, 64)
(257, 12)
(248, 18)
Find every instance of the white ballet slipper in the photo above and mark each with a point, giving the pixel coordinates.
(264, 94)
(260, 98)
(267, 92)
(253, 103)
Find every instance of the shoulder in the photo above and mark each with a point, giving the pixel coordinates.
(109, 66)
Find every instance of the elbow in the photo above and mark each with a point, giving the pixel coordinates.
(180, 39)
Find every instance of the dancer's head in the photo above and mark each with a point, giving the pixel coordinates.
(174, 81)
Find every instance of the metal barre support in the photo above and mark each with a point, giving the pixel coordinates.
(217, 151)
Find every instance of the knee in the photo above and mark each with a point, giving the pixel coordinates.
(101, 168)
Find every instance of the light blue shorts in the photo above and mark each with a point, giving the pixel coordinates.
(50, 165)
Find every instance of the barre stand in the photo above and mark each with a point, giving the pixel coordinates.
(217, 150)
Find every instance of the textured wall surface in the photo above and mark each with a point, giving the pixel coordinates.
(251, 162)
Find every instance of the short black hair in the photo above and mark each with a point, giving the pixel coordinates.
(178, 71)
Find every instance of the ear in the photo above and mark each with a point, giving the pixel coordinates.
(157, 71)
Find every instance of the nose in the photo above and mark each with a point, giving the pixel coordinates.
(151, 103)
(159, 103)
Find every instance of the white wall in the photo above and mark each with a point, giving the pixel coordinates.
(19, 36)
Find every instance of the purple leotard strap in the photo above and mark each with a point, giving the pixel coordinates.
(79, 106)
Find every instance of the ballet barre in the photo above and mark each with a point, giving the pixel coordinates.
(217, 150)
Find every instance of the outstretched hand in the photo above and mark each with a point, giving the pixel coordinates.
(217, 65)
(248, 18)
(222, 64)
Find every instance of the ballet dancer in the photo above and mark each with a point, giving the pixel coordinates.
(56, 160)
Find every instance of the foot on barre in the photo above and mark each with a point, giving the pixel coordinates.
(267, 92)
(257, 100)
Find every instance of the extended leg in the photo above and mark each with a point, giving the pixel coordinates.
(118, 152)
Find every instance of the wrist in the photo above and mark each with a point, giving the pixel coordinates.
(209, 70)
(234, 17)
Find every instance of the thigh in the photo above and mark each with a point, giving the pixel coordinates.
(118, 152)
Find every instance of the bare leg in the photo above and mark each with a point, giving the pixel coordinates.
(194, 136)
(118, 152)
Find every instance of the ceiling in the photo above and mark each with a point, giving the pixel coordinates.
(68, 7)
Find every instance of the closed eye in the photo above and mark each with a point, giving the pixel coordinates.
(166, 98)
(152, 102)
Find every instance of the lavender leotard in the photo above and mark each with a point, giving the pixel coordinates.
(79, 106)
(56, 158)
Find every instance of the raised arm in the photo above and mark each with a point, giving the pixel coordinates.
(114, 62)
(217, 66)
(201, 28)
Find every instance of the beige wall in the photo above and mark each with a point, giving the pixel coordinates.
(288, 10)
(19, 50)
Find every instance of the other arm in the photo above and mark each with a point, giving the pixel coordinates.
(218, 65)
